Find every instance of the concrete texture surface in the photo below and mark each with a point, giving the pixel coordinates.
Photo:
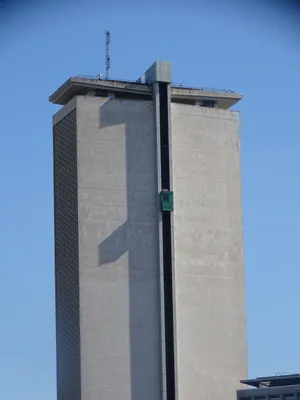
(160, 71)
(118, 250)
(209, 270)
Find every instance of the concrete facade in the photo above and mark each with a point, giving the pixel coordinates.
(118, 250)
(209, 270)
(121, 324)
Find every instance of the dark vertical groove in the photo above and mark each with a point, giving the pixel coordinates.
(164, 136)
(66, 259)
(167, 243)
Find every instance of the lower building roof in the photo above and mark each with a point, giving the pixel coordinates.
(271, 381)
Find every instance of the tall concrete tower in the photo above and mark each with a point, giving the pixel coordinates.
(150, 301)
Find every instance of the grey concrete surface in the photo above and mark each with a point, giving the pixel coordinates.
(160, 71)
(118, 250)
(209, 269)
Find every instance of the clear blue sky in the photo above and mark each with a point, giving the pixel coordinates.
(249, 49)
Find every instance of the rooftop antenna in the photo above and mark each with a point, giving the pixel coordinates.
(107, 57)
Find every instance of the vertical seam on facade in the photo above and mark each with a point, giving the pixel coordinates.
(164, 111)
(160, 252)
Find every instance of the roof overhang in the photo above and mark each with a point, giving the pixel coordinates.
(81, 86)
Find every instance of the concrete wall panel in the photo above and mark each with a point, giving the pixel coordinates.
(209, 270)
(118, 250)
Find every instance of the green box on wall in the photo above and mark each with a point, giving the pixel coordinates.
(167, 200)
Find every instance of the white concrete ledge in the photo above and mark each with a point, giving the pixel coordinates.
(81, 86)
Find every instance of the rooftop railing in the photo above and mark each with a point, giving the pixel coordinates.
(173, 85)
(203, 89)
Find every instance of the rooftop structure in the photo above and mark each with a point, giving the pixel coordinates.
(278, 387)
(81, 85)
(272, 381)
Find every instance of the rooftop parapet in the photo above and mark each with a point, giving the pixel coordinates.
(81, 85)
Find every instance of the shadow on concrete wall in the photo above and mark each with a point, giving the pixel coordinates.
(138, 236)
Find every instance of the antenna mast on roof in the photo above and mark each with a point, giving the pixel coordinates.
(107, 57)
